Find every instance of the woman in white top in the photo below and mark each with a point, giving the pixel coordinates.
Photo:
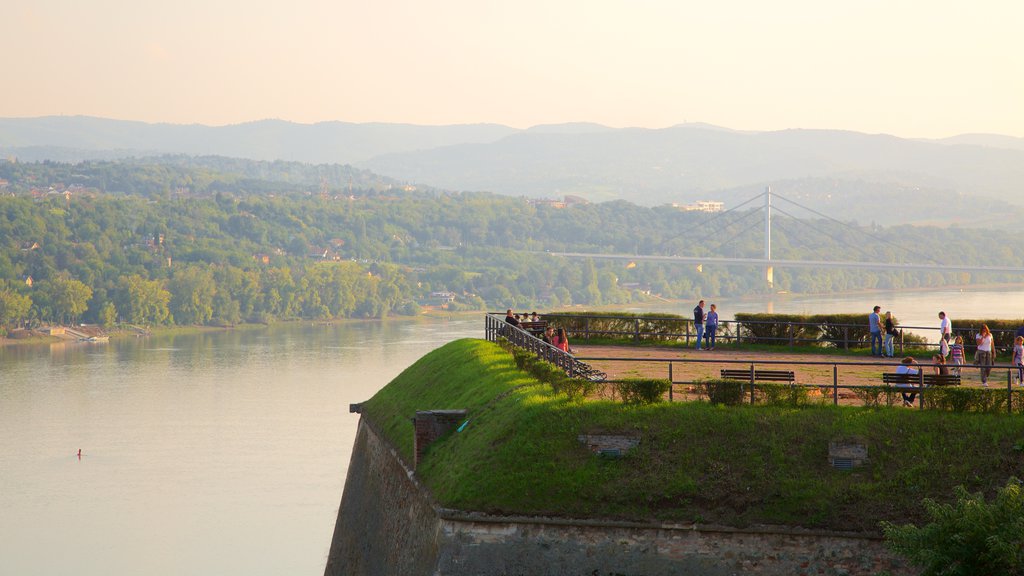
(986, 354)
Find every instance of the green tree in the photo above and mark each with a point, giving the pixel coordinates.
(108, 314)
(192, 290)
(13, 306)
(143, 301)
(68, 298)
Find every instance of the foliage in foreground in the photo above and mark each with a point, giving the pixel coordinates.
(696, 462)
(969, 536)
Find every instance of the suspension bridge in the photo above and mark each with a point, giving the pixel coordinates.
(768, 263)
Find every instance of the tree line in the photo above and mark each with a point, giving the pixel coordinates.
(73, 252)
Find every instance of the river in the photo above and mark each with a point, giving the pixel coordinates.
(224, 453)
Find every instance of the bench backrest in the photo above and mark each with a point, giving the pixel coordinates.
(927, 379)
(760, 375)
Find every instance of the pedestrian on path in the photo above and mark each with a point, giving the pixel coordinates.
(875, 326)
(890, 334)
(985, 356)
(698, 321)
(710, 326)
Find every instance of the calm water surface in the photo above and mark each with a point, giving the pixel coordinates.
(213, 454)
(225, 453)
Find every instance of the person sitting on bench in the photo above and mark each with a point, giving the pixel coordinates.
(906, 367)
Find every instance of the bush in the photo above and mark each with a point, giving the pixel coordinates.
(783, 395)
(728, 392)
(969, 537)
(620, 325)
(957, 399)
(642, 390)
(875, 396)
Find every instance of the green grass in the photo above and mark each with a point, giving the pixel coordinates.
(735, 465)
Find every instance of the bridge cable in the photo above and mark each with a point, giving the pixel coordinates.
(716, 217)
(819, 230)
(875, 238)
(756, 224)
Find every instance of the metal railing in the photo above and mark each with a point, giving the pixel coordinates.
(844, 336)
(582, 367)
(831, 382)
(495, 327)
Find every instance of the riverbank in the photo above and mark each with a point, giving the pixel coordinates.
(38, 338)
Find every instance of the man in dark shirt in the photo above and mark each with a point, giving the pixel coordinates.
(698, 321)
(511, 318)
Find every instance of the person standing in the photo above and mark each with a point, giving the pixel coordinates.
(710, 326)
(875, 325)
(985, 356)
(890, 334)
(956, 352)
(1018, 358)
(698, 321)
(945, 327)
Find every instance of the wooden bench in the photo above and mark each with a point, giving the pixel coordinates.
(536, 328)
(761, 375)
(894, 379)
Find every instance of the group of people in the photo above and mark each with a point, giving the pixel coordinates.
(516, 319)
(557, 338)
(706, 324)
(950, 346)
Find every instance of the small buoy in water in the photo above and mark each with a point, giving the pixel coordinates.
(79, 453)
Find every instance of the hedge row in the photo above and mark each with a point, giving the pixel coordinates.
(617, 325)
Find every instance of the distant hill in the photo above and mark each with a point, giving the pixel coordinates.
(972, 178)
(989, 140)
(685, 162)
(321, 143)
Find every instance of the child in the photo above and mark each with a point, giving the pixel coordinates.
(1018, 358)
(957, 352)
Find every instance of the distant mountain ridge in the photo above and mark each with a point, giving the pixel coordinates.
(646, 166)
(321, 143)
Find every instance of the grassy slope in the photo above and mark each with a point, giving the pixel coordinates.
(697, 462)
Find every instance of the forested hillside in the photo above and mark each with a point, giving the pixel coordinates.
(199, 242)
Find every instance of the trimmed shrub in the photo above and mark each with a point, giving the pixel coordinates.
(958, 399)
(642, 390)
(776, 329)
(620, 325)
(728, 392)
(782, 394)
(875, 396)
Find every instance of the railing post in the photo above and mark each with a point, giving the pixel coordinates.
(751, 383)
(1009, 391)
(835, 385)
(671, 382)
(636, 329)
(920, 389)
(901, 341)
(846, 337)
(586, 327)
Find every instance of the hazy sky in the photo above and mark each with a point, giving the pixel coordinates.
(920, 68)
